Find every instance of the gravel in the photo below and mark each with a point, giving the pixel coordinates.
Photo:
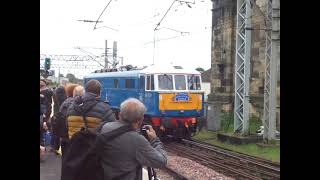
(163, 175)
(190, 169)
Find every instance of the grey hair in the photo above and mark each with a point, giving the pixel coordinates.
(132, 110)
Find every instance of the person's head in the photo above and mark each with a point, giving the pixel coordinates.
(69, 89)
(43, 83)
(63, 83)
(93, 86)
(132, 111)
(78, 91)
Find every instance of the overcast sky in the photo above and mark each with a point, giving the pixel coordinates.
(135, 21)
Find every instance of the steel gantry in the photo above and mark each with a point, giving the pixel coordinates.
(76, 64)
(272, 57)
(242, 67)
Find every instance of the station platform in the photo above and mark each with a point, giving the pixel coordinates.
(50, 169)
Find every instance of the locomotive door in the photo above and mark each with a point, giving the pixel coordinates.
(149, 97)
(141, 88)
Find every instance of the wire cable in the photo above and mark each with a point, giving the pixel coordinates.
(165, 15)
(101, 14)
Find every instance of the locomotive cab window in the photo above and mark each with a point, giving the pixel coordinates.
(165, 82)
(180, 82)
(194, 82)
(129, 83)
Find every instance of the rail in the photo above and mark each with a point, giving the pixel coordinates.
(225, 161)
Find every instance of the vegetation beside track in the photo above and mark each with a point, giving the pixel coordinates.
(271, 153)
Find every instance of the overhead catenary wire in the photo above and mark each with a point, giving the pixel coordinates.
(182, 32)
(164, 15)
(101, 14)
(162, 22)
(164, 39)
(107, 27)
(158, 24)
(90, 55)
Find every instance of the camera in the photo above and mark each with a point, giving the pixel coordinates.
(143, 131)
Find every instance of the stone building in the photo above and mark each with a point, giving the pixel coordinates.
(223, 57)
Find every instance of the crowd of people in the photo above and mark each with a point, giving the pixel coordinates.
(77, 108)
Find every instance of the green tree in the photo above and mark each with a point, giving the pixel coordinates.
(200, 69)
(71, 78)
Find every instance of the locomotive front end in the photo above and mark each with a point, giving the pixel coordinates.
(180, 104)
(180, 112)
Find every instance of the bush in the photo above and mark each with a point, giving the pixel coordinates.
(254, 124)
(227, 121)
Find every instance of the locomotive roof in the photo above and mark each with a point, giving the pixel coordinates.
(153, 69)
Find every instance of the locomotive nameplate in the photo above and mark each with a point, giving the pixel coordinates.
(182, 97)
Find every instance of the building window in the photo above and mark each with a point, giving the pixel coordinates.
(116, 83)
(129, 83)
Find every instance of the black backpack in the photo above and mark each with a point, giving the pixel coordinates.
(81, 160)
(59, 126)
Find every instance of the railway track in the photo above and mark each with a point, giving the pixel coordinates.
(241, 155)
(237, 165)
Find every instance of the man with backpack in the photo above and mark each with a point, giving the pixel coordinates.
(84, 116)
(124, 156)
(89, 105)
(72, 91)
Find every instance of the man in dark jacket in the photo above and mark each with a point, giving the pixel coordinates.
(47, 93)
(43, 110)
(90, 105)
(124, 156)
(63, 129)
(59, 96)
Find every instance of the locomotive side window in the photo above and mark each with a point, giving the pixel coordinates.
(194, 82)
(150, 82)
(180, 82)
(165, 82)
(129, 83)
(116, 83)
(141, 82)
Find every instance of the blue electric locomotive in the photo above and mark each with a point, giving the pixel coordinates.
(172, 95)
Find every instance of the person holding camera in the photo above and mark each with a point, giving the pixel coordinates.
(124, 156)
